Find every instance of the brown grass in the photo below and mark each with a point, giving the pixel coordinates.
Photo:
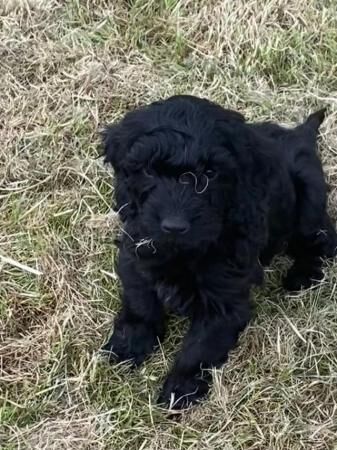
(68, 67)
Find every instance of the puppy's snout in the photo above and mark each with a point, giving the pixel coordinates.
(175, 225)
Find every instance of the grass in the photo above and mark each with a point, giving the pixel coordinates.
(67, 67)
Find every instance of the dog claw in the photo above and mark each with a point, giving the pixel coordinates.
(180, 392)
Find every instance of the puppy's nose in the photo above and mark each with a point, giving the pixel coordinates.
(175, 225)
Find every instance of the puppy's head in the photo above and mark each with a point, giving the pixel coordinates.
(177, 169)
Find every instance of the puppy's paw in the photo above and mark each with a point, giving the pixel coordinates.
(299, 278)
(130, 342)
(181, 391)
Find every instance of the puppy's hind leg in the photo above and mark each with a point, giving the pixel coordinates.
(309, 252)
(139, 326)
(314, 237)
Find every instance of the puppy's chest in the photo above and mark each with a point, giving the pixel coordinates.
(175, 298)
(177, 289)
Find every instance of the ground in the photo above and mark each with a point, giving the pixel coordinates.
(68, 67)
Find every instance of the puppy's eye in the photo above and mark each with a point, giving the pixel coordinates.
(210, 174)
(185, 177)
(148, 172)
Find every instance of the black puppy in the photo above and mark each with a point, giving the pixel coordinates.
(206, 198)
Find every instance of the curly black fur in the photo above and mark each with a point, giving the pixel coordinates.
(205, 199)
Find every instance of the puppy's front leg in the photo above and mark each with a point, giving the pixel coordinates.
(139, 326)
(222, 312)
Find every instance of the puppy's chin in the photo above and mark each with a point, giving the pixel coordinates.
(184, 244)
(169, 246)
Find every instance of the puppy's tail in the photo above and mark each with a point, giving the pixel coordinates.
(315, 119)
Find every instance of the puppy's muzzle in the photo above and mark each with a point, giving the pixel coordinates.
(175, 225)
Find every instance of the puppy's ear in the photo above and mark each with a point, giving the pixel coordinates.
(315, 119)
(113, 145)
(114, 151)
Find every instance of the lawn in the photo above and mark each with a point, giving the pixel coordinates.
(68, 67)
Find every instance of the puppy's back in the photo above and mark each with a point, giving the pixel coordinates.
(294, 142)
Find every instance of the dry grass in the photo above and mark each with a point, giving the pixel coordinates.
(67, 67)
